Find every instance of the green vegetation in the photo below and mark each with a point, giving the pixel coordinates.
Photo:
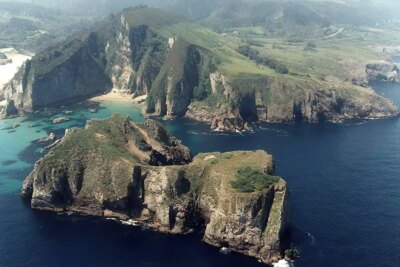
(249, 179)
(103, 137)
(281, 62)
(214, 161)
(253, 54)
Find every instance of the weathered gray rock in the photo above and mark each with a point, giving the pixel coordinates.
(51, 137)
(8, 110)
(383, 71)
(60, 120)
(140, 174)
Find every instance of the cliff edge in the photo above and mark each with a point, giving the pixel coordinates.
(184, 69)
(116, 168)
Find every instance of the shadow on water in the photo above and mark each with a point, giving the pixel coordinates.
(16, 174)
(83, 241)
(8, 162)
(343, 182)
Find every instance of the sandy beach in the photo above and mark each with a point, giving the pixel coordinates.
(8, 71)
(121, 97)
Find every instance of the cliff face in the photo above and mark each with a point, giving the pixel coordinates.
(185, 70)
(172, 91)
(383, 71)
(297, 102)
(277, 100)
(59, 76)
(121, 54)
(118, 169)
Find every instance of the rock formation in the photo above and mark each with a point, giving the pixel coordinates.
(276, 100)
(383, 71)
(60, 120)
(185, 70)
(138, 172)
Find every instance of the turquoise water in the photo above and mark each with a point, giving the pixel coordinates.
(344, 182)
(17, 150)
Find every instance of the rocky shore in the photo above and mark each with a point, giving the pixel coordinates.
(182, 78)
(140, 174)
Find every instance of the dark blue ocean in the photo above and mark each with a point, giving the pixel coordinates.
(344, 182)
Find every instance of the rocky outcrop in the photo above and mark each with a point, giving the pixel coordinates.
(278, 100)
(283, 101)
(221, 118)
(8, 109)
(122, 53)
(233, 111)
(383, 71)
(172, 91)
(140, 51)
(51, 137)
(60, 120)
(139, 173)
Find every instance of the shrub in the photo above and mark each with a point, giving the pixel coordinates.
(214, 161)
(249, 52)
(310, 46)
(254, 55)
(228, 156)
(280, 68)
(250, 179)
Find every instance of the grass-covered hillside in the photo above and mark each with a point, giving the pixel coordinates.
(140, 174)
(228, 79)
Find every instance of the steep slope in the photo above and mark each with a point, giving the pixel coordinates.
(140, 173)
(184, 69)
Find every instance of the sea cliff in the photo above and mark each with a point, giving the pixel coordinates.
(116, 168)
(184, 69)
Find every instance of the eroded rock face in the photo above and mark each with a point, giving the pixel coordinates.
(131, 53)
(277, 100)
(8, 110)
(383, 71)
(116, 168)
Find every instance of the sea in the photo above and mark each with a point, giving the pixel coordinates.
(344, 182)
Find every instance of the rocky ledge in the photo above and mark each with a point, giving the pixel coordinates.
(141, 174)
(383, 71)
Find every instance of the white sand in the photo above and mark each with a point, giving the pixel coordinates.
(113, 96)
(8, 71)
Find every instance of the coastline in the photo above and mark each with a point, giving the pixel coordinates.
(119, 97)
(112, 96)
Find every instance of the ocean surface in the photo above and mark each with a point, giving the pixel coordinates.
(344, 182)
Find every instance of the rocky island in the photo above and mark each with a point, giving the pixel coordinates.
(185, 70)
(139, 173)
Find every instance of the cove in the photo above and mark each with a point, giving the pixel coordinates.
(344, 181)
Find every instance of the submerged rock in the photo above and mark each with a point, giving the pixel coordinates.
(8, 162)
(60, 120)
(51, 137)
(140, 174)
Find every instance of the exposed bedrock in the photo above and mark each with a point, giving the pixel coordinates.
(119, 169)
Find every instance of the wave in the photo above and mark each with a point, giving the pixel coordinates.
(312, 238)
(211, 133)
(267, 129)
